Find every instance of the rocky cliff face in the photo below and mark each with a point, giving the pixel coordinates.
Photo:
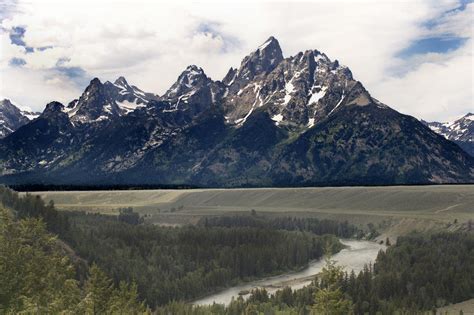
(274, 121)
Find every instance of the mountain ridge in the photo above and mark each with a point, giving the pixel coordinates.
(241, 131)
(460, 131)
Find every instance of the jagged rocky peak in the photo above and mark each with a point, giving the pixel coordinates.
(53, 107)
(261, 61)
(9, 111)
(229, 76)
(122, 85)
(6, 104)
(94, 85)
(267, 56)
(189, 81)
(299, 91)
(12, 118)
(191, 78)
(466, 121)
(122, 82)
(103, 101)
(193, 92)
(129, 97)
(194, 70)
(8, 108)
(55, 111)
(125, 88)
(94, 90)
(459, 129)
(97, 103)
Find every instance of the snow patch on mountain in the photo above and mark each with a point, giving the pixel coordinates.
(277, 119)
(337, 105)
(264, 45)
(315, 97)
(289, 88)
(30, 115)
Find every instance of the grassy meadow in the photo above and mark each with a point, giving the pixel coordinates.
(395, 209)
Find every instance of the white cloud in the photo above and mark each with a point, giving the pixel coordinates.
(8, 51)
(24, 88)
(150, 43)
(440, 87)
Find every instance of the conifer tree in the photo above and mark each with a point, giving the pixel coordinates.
(125, 300)
(329, 298)
(99, 290)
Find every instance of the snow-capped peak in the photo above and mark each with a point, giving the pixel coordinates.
(304, 88)
(130, 93)
(190, 79)
(193, 70)
(130, 97)
(461, 129)
(101, 102)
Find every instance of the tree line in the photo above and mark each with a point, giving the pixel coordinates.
(64, 187)
(313, 225)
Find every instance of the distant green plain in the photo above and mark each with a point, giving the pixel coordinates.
(398, 209)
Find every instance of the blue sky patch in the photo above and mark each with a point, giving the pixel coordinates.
(72, 72)
(17, 62)
(16, 37)
(76, 74)
(440, 45)
(462, 5)
(430, 24)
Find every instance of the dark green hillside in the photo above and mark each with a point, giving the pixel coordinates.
(370, 145)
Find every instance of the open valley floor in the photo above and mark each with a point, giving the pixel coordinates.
(395, 210)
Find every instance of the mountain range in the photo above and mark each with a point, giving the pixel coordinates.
(274, 121)
(460, 131)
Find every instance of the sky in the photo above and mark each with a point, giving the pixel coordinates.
(414, 55)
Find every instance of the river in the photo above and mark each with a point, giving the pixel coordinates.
(354, 257)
